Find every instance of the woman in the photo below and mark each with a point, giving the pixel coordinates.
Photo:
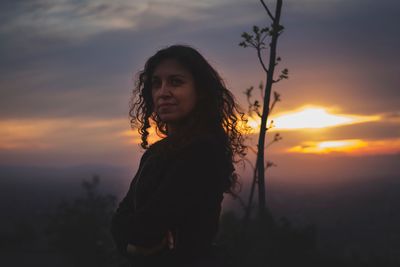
(171, 212)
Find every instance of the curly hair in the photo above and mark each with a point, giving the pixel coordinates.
(216, 109)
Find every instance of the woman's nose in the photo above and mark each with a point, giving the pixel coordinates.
(165, 90)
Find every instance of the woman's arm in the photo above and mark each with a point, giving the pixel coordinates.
(122, 218)
(121, 222)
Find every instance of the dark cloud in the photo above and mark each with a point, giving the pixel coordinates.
(53, 74)
(93, 78)
(360, 36)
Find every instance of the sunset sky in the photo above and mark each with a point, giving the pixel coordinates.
(67, 70)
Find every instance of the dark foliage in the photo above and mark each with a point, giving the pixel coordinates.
(80, 229)
(266, 244)
(282, 244)
(19, 238)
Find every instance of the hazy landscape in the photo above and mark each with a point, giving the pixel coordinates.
(357, 219)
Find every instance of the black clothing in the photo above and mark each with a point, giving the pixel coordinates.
(178, 191)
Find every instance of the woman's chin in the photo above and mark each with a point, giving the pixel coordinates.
(173, 120)
(169, 118)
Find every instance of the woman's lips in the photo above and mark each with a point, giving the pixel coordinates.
(165, 107)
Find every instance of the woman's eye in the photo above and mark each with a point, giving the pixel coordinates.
(176, 82)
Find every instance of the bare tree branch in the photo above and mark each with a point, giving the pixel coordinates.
(277, 137)
(261, 88)
(261, 60)
(250, 163)
(277, 98)
(267, 9)
(252, 149)
(269, 164)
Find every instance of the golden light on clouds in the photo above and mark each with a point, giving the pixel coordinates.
(15, 134)
(310, 117)
(349, 146)
(57, 133)
(328, 146)
(78, 134)
(135, 138)
(317, 117)
(68, 133)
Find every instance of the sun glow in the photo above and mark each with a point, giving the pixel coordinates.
(317, 117)
(310, 117)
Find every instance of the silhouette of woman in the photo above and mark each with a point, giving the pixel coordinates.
(170, 214)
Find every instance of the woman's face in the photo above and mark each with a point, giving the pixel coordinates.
(173, 92)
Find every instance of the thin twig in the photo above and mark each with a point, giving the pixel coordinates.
(250, 163)
(267, 9)
(261, 60)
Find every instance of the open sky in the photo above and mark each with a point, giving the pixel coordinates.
(67, 69)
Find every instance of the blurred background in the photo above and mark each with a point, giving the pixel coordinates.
(67, 70)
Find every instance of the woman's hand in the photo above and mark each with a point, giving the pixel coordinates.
(146, 251)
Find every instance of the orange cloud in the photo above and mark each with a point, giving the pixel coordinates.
(349, 146)
(22, 134)
(135, 138)
(57, 133)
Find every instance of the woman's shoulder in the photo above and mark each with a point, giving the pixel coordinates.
(195, 140)
(201, 145)
(205, 148)
(157, 144)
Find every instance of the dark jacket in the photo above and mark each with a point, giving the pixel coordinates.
(179, 192)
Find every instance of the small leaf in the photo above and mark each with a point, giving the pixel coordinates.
(277, 137)
(248, 91)
(270, 164)
(277, 96)
(256, 29)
